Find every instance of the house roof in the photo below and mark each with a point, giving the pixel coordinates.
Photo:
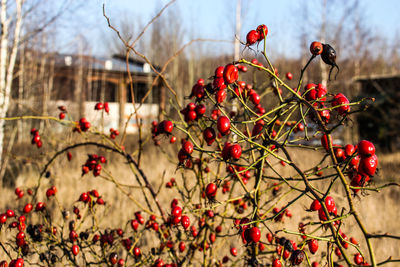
(116, 63)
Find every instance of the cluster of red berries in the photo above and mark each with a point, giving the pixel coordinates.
(91, 197)
(52, 191)
(193, 112)
(361, 160)
(152, 223)
(231, 151)
(139, 220)
(240, 205)
(13, 263)
(256, 35)
(316, 94)
(367, 164)
(19, 192)
(113, 259)
(185, 151)
(93, 163)
(280, 214)
(249, 233)
(239, 172)
(170, 183)
(177, 217)
(82, 126)
(330, 206)
(113, 133)
(36, 138)
(63, 111)
(344, 240)
(164, 127)
(101, 106)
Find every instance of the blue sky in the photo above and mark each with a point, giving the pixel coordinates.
(214, 19)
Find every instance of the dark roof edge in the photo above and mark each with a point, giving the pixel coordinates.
(375, 77)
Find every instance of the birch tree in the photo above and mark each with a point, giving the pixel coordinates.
(11, 25)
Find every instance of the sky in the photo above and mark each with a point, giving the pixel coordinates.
(215, 19)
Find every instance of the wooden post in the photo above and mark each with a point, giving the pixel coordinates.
(121, 101)
(161, 100)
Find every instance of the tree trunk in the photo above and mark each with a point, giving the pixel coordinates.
(7, 62)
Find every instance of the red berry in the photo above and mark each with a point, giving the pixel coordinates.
(276, 263)
(321, 215)
(187, 147)
(313, 246)
(297, 257)
(10, 213)
(289, 75)
(40, 206)
(358, 259)
(176, 219)
(99, 106)
(75, 250)
(28, 208)
(353, 240)
(341, 103)
(354, 161)
(339, 153)
(255, 98)
(137, 252)
(235, 151)
(185, 221)
(173, 139)
(324, 142)
(316, 48)
(315, 205)
(330, 203)
(106, 107)
(191, 106)
(182, 246)
(219, 83)
(223, 125)
(200, 110)
(3, 218)
(368, 165)
(191, 115)
(233, 252)
(269, 237)
(220, 96)
(212, 237)
(349, 150)
(134, 224)
(211, 190)
(254, 234)
(176, 211)
(113, 258)
(366, 148)
(262, 31)
(252, 37)
(231, 74)
(165, 127)
(209, 135)
(219, 72)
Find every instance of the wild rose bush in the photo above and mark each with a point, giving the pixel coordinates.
(222, 211)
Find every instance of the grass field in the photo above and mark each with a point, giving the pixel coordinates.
(380, 211)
